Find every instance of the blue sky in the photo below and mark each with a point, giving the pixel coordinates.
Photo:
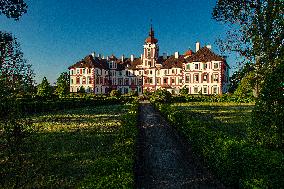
(54, 34)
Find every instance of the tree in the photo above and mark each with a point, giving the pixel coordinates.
(63, 84)
(184, 91)
(13, 8)
(260, 39)
(259, 31)
(16, 76)
(238, 75)
(44, 89)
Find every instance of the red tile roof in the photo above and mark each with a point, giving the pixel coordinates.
(204, 55)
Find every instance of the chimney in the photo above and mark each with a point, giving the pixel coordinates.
(93, 54)
(141, 56)
(99, 55)
(122, 58)
(197, 45)
(209, 47)
(103, 57)
(165, 56)
(132, 58)
(176, 55)
(107, 58)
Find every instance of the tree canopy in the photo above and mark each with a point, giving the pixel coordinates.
(16, 76)
(44, 89)
(63, 84)
(13, 8)
(259, 29)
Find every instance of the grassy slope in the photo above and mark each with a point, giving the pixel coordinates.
(74, 148)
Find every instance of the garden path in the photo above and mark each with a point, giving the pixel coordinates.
(164, 160)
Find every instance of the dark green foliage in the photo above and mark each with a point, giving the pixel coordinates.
(44, 89)
(230, 155)
(246, 86)
(269, 111)
(16, 76)
(63, 84)
(115, 93)
(82, 90)
(13, 8)
(90, 147)
(237, 76)
(184, 91)
(258, 35)
(161, 95)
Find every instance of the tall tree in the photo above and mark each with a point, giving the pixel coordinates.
(259, 37)
(259, 31)
(44, 89)
(16, 76)
(63, 84)
(13, 8)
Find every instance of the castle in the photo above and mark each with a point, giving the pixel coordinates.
(201, 72)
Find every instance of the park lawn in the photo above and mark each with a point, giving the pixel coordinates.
(220, 133)
(77, 148)
(233, 119)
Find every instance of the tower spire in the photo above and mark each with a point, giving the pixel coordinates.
(151, 33)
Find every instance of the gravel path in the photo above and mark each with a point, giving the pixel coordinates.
(163, 159)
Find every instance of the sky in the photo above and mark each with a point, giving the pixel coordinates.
(54, 34)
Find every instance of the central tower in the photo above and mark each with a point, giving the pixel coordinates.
(151, 50)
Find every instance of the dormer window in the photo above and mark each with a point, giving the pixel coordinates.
(196, 66)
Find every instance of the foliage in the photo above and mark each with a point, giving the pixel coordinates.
(269, 111)
(13, 8)
(161, 95)
(184, 91)
(91, 147)
(218, 133)
(115, 93)
(63, 84)
(246, 86)
(44, 89)
(259, 34)
(16, 76)
(238, 75)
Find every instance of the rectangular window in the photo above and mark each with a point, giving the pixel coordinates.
(165, 72)
(196, 66)
(173, 81)
(205, 89)
(205, 66)
(196, 78)
(180, 80)
(150, 80)
(187, 78)
(158, 72)
(195, 89)
(78, 71)
(165, 80)
(215, 90)
(205, 77)
(151, 72)
(173, 71)
(158, 80)
(84, 71)
(110, 65)
(216, 65)
(71, 81)
(215, 77)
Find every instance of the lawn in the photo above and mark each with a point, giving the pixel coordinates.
(233, 119)
(220, 133)
(77, 148)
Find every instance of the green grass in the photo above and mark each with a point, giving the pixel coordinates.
(79, 148)
(220, 133)
(231, 118)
